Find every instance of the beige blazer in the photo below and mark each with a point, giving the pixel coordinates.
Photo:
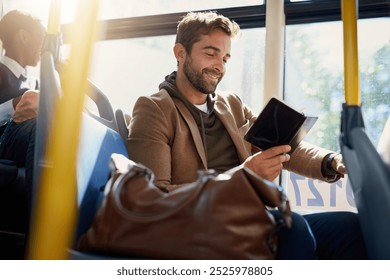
(164, 137)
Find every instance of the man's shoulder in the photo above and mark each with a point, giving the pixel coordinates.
(227, 97)
(160, 99)
(162, 94)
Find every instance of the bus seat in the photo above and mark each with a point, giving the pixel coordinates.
(384, 143)
(370, 181)
(98, 140)
(122, 120)
(105, 112)
(97, 143)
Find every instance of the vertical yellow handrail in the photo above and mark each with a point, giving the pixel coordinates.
(351, 67)
(54, 24)
(56, 210)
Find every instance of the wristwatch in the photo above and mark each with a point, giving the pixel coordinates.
(329, 164)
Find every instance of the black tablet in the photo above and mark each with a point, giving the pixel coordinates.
(279, 124)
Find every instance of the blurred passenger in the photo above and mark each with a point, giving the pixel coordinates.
(22, 36)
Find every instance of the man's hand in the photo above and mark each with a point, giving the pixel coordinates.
(338, 165)
(27, 107)
(268, 163)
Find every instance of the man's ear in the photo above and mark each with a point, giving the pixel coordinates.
(23, 36)
(180, 52)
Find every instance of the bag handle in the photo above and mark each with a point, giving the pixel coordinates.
(137, 170)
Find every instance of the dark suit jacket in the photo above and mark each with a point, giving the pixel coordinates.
(11, 86)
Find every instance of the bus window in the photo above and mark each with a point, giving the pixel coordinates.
(126, 69)
(314, 75)
(314, 84)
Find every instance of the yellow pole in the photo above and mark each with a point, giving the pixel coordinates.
(56, 210)
(54, 25)
(351, 69)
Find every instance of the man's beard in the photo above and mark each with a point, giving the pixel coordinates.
(196, 79)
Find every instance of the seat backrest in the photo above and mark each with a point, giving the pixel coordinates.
(384, 143)
(370, 181)
(105, 112)
(50, 90)
(97, 143)
(98, 140)
(122, 120)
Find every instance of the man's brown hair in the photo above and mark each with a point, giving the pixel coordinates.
(193, 25)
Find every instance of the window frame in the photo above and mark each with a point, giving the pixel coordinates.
(247, 17)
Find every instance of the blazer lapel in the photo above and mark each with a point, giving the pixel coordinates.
(194, 130)
(226, 117)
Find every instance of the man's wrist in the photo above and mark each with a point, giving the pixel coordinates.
(327, 168)
(329, 161)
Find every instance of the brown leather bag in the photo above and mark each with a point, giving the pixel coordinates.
(217, 217)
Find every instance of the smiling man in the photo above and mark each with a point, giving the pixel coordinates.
(187, 126)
